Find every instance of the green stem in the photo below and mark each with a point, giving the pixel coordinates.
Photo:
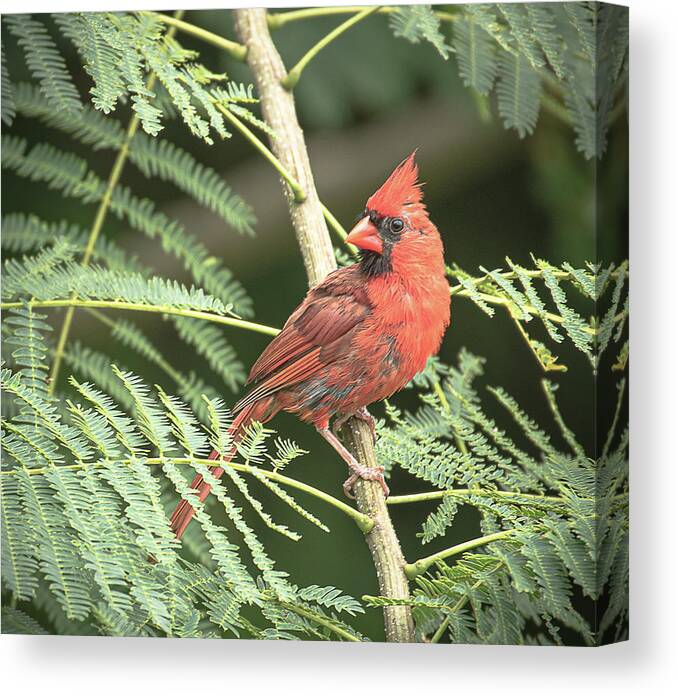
(505, 302)
(459, 291)
(412, 570)
(334, 223)
(98, 224)
(556, 109)
(299, 195)
(547, 367)
(292, 77)
(467, 492)
(513, 275)
(440, 631)
(437, 387)
(280, 19)
(364, 522)
(234, 49)
(153, 309)
(338, 228)
(317, 618)
(461, 602)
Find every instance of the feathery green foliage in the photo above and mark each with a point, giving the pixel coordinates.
(517, 290)
(417, 23)
(155, 157)
(92, 465)
(88, 519)
(69, 174)
(518, 93)
(573, 56)
(561, 516)
(8, 105)
(45, 62)
(52, 275)
(476, 54)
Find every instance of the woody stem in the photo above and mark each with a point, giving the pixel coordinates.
(289, 147)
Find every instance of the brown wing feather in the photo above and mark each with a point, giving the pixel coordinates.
(312, 336)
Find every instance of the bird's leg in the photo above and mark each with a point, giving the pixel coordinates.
(361, 414)
(358, 471)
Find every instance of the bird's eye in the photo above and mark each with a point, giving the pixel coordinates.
(396, 225)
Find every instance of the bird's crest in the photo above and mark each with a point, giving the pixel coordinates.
(399, 191)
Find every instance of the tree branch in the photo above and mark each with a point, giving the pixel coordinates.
(290, 80)
(235, 50)
(153, 309)
(412, 570)
(516, 497)
(307, 218)
(364, 522)
(280, 19)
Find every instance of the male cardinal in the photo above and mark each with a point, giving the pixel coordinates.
(359, 336)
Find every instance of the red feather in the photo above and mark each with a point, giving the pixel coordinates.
(400, 191)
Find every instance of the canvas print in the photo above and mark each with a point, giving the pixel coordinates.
(315, 323)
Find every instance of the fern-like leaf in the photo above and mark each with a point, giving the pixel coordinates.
(8, 106)
(45, 62)
(476, 55)
(416, 23)
(518, 93)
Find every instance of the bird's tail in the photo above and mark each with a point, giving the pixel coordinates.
(183, 513)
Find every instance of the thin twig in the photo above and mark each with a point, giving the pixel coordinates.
(298, 192)
(334, 223)
(234, 49)
(547, 367)
(534, 498)
(412, 570)
(280, 19)
(292, 77)
(320, 620)
(437, 387)
(364, 522)
(98, 224)
(153, 309)
(460, 604)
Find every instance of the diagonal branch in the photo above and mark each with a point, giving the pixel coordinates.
(235, 50)
(153, 309)
(292, 77)
(289, 147)
(423, 564)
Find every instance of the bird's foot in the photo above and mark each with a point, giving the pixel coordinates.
(366, 473)
(362, 414)
(358, 471)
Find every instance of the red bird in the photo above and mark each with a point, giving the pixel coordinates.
(360, 335)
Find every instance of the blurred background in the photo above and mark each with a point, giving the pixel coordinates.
(365, 103)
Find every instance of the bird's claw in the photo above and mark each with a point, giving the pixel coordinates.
(366, 473)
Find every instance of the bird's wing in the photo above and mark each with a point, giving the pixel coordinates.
(320, 330)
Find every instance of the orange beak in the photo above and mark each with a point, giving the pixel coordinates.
(365, 236)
